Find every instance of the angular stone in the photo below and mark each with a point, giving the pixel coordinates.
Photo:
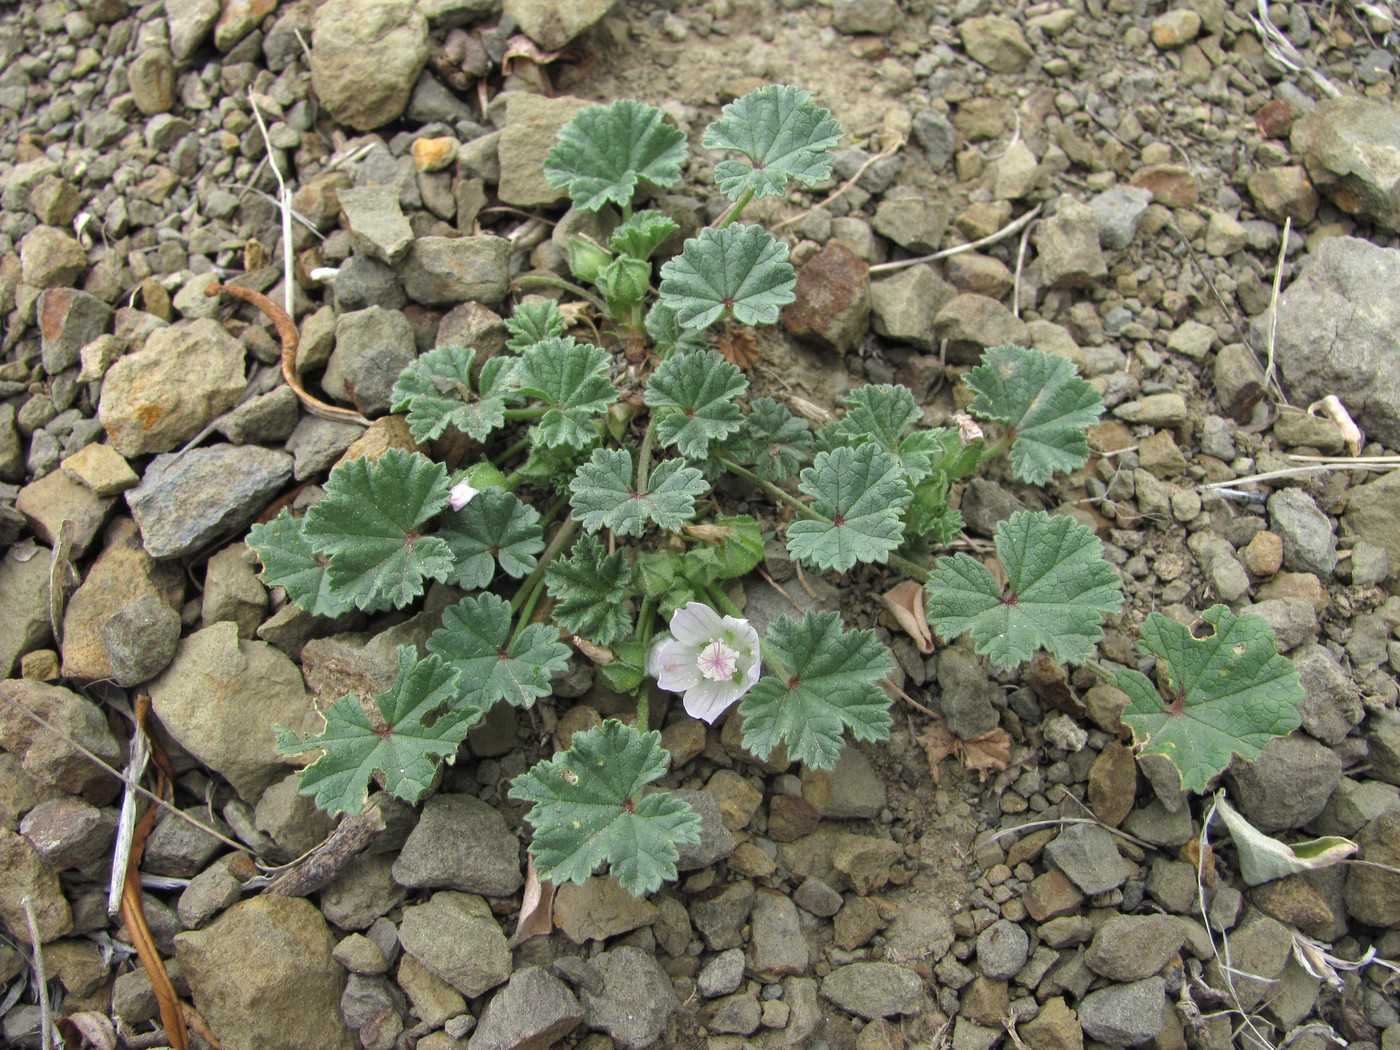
(1373, 895)
(365, 59)
(905, 306)
(48, 502)
(636, 1002)
(874, 989)
(29, 879)
(376, 222)
(48, 758)
(456, 937)
(553, 23)
(1087, 855)
(443, 271)
(1134, 947)
(1124, 1014)
(532, 1012)
(1068, 247)
(50, 258)
(1351, 147)
(1287, 785)
(599, 909)
(532, 123)
(833, 302)
(997, 43)
(68, 321)
(24, 605)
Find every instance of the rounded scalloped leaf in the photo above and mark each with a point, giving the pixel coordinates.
(743, 270)
(605, 151)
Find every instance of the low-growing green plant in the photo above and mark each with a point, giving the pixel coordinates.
(589, 512)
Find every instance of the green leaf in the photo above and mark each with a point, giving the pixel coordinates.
(775, 441)
(437, 391)
(861, 491)
(1059, 588)
(739, 269)
(289, 562)
(929, 515)
(421, 722)
(667, 333)
(589, 807)
(603, 497)
(1263, 859)
(694, 394)
(829, 685)
(534, 321)
(733, 546)
(878, 412)
(605, 151)
(1043, 401)
(495, 527)
(642, 234)
(572, 379)
(1228, 693)
(781, 133)
(629, 666)
(474, 639)
(369, 525)
(589, 588)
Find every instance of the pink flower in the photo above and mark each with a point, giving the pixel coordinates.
(713, 660)
(461, 495)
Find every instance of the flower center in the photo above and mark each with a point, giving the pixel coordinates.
(717, 662)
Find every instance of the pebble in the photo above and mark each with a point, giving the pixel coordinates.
(721, 975)
(365, 58)
(455, 936)
(48, 759)
(833, 304)
(534, 1009)
(776, 945)
(1287, 785)
(1002, 949)
(1124, 1014)
(874, 989)
(1087, 855)
(1133, 947)
(461, 843)
(997, 43)
(637, 1000)
(903, 308)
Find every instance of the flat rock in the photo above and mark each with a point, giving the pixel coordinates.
(1351, 147)
(365, 59)
(598, 909)
(1124, 1014)
(532, 1012)
(461, 843)
(444, 271)
(157, 398)
(1002, 949)
(48, 502)
(532, 123)
(1087, 855)
(874, 989)
(263, 977)
(186, 502)
(50, 258)
(68, 320)
(971, 323)
(1325, 346)
(376, 223)
(1134, 947)
(1287, 785)
(191, 22)
(457, 938)
(221, 698)
(1260, 947)
(24, 604)
(28, 878)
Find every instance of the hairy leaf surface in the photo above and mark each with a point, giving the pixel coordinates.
(604, 152)
(694, 394)
(782, 134)
(741, 270)
(475, 640)
(861, 491)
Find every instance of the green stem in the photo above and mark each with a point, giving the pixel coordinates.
(526, 611)
(553, 511)
(514, 450)
(644, 708)
(737, 210)
(771, 664)
(527, 414)
(535, 580)
(1000, 447)
(513, 481)
(644, 456)
(906, 566)
(721, 601)
(646, 620)
(549, 280)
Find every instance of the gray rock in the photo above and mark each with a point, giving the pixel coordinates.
(1293, 621)
(912, 221)
(186, 502)
(457, 938)
(291, 819)
(1087, 856)
(971, 323)
(637, 1000)
(866, 16)
(1287, 785)
(553, 23)
(965, 695)
(936, 134)
(364, 998)
(1157, 410)
(363, 891)
(1373, 895)
(1117, 212)
(211, 891)
(372, 348)
(68, 321)
(1355, 804)
(157, 398)
(1172, 884)
(719, 914)
(1383, 733)
(1002, 949)
(29, 880)
(68, 832)
(715, 843)
(531, 125)
(969, 1035)
(1332, 704)
(1351, 147)
(190, 22)
(1325, 346)
(362, 282)
(532, 1012)
(857, 792)
(365, 58)
(903, 307)
(444, 271)
(48, 502)
(997, 42)
(921, 929)
(376, 223)
(1134, 947)
(24, 605)
(45, 757)
(1308, 542)
(1157, 824)
(50, 258)
(776, 945)
(874, 989)
(263, 977)
(1260, 948)
(232, 590)
(733, 1015)
(1221, 567)
(151, 77)
(721, 975)
(461, 843)
(1372, 511)
(1124, 1014)
(220, 699)
(141, 639)
(1067, 244)
(986, 503)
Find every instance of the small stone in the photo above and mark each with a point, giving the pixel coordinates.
(24, 606)
(29, 879)
(443, 271)
(141, 639)
(1068, 246)
(1259, 951)
(533, 1011)
(434, 1000)
(68, 321)
(722, 975)
(461, 843)
(1050, 896)
(1157, 410)
(637, 1000)
(1287, 785)
(904, 307)
(151, 77)
(554, 24)
(1263, 555)
(1172, 185)
(817, 897)
(1133, 947)
(68, 832)
(911, 221)
(853, 17)
(1347, 144)
(997, 43)
(366, 56)
(790, 817)
(1055, 1028)
(528, 133)
(1175, 28)
(48, 758)
(457, 938)
(866, 861)
(1113, 783)
(1192, 339)
(1124, 1014)
(972, 323)
(1117, 211)
(1087, 855)
(375, 221)
(1283, 193)
(358, 954)
(434, 154)
(719, 914)
(776, 944)
(49, 258)
(1292, 900)
(1373, 895)
(1002, 949)
(48, 502)
(833, 302)
(1015, 174)
(101, 468)
(874, 989)
(857, 922)
(598, 909)
(1308, 542)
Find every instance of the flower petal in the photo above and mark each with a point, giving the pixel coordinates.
(695, 624)
(708, 700)
(672, 665)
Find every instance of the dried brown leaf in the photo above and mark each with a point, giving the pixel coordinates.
(740, 348)
(536, 908)
(905, 602)
(87, 1029)
(988, 753)
(599, 654)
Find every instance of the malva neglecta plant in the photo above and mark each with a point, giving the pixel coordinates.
(591, 496)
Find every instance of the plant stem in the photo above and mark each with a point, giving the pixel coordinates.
(906, 566)
(549, 280)
(526, 611)
(645, 620)
(734, 212)
(525, 414)
(514, 450)
(722, 602)
(644, 456)
(553, 511)
(535, 580)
